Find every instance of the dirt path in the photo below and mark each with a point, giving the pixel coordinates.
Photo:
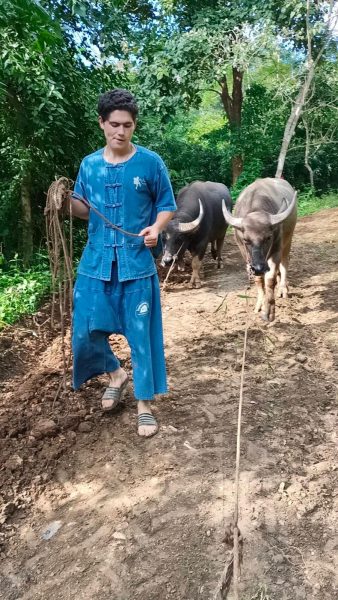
(145, 520)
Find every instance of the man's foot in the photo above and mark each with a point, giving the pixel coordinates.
(147, 424)
(113, 395)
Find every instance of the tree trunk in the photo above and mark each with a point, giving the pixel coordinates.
(27, 225)
(237, 168)
(304, 90)
(232, 104)
(293, 120)
(307, 153)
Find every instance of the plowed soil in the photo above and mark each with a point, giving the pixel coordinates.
(135, 519)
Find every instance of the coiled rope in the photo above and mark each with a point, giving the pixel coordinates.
(60, 253)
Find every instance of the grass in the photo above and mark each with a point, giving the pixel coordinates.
(308, 203)
(22, 289)
(261, 594)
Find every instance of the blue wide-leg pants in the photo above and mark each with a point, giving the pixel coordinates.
(132, 309)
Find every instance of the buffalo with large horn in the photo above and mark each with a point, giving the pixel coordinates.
(197, 221)
(264, 220)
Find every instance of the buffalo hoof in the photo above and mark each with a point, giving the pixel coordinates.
(268, 317)
(192, 284)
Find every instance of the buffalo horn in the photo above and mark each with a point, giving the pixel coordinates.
(233, 221)
(191, 225)
(280, 217)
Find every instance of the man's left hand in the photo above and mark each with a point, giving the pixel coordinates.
(150, 235)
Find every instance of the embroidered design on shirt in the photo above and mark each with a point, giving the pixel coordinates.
(138, 182)
(143, 309)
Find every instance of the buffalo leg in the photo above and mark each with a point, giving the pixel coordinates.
(180, 264)
(259, 281)
(219, 246)
(283, 288)
(195, 277)
(213, 249)
(268, 310)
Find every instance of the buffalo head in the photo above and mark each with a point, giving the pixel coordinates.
(177, 236)
(257, 232)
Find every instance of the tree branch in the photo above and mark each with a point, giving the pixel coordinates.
(237, 95)
(215, 91)
(304, 90)
(307, 152)
(226, 98)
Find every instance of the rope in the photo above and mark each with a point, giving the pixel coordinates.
(175, 257)
(233, 534)
(91, 207)
(237, 535)
(60, 255)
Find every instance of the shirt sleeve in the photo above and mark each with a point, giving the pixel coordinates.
(164, 198)
(80, 185)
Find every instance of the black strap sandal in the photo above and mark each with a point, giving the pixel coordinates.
(114, 394)
(148, 420)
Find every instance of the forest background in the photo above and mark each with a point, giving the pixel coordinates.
(228, 92)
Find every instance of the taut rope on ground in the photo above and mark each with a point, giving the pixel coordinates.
(233, 534)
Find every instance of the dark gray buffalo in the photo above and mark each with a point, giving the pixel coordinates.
(264, 220)
(197, 221)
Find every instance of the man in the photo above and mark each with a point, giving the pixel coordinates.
(117, 288)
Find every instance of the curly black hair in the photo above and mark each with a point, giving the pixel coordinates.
(117, 99)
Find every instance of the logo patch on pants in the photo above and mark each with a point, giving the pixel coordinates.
(143, 309)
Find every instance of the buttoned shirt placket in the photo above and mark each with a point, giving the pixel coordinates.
(113, 210)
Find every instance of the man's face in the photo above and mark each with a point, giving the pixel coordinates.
(118, 129)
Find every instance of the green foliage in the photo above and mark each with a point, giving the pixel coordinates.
(194, 145)
(192, 58)
(309, 203)
(47, 119)
(22, 290)
(252, 171)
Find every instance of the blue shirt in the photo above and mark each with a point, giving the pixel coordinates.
(130, 195)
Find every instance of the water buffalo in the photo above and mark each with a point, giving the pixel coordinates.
(197, 221)
(264, 220)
